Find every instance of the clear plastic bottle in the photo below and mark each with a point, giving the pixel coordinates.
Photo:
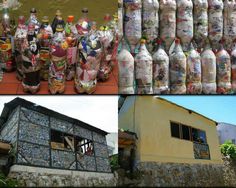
(143, 70)
(223, 65)
(177, 70)
(160, 70)
(150, 22)
(133, 22)
(184, 22)
(126, 70)
(83, 24)
(215, 22)
(208, 60)
(200, 22)
(167, 22)
(194, 85)
(233, 68)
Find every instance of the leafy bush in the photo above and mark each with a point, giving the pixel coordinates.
(114, 162)
(228, 149)
(6, 182)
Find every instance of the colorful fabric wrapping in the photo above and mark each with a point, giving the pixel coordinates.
(6, 56)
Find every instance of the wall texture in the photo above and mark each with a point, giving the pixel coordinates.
(226, 132)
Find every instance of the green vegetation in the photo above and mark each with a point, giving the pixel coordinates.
(228, 149)
(6, 182)
(114, 162)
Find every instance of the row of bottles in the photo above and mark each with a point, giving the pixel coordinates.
(178, 73)
(62, 51)
(184, 19)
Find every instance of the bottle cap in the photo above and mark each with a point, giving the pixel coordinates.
(70, 18)
(33, 10)
(85, 10)
(143, 41)
(45, 19)
(177, 41)
(107, 17)
(58, 13)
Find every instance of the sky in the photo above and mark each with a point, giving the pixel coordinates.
(98, 111)
(218, 108)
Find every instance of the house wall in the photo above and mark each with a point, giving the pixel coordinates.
(226, 132)
(152, 125)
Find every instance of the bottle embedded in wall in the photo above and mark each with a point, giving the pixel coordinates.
(208, 60)
(167, 22)
(143, 70)
(215, 22)
(200, 21)
(229, 23)
(193, 81)
(160, 70)
(184, 22)
(233, 67)
(223, 71)
(177, 70)
(150, 22)
(133, 22)
(126, 70)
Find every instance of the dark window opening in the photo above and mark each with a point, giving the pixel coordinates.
(62, 141)
(186, 132)
(175, 130)
(199, 136)
(84, 146)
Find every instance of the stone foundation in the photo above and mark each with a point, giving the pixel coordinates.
(45, 177)
(178, 174)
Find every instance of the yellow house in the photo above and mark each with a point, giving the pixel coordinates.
(169, 133)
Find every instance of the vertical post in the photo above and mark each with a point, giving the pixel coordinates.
(50, 139)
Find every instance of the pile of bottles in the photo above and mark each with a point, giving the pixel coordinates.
(177, 47)
(60, 51)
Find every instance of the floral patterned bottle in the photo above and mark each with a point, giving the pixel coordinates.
(160, 70)
(177, 70)
(233, 67)
(143, 70)
(126, 70)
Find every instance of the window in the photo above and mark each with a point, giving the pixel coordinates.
(83, 146)
(233, 141)
(175, 130)
(62, 141)
(186, 132)
(199, 136)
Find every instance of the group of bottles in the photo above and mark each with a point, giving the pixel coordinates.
(201, 60)
(62, 51)
(192, 72)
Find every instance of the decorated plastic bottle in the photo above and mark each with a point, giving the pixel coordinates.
(194, 85)
(57, 21)
(34, 20)
(200, 22)
(6, 56)
(143, 70)
(30, 63)
(208, 60)
(20, 41)
(83, 24)
(120, 19)
(215, 22)
(133, 22)
(57, 68)
(45, 36)
(160, 70)
(90, 54)
(126, 70)
(106, 37)
(177, 70)
(150, 22)
(233, 68)
(168, 22)
(229, 23)
(185, 22)
(223, 71)
(71, 38)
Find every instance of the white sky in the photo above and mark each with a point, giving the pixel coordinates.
(98, 111)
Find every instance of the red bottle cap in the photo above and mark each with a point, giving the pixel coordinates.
(107, 17)
(70, 18)
(177, 41)
(159, 41)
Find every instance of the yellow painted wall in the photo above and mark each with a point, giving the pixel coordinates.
(152, 125)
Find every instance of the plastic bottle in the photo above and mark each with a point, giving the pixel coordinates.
(34, 20)
(58, 52)
(185, 22)
(45, 36)
(160, 70)
(57, 20)
(83, 24)
(133, 22)
(229, 23)
(126, 70)
(177, 70)
(167, 22)
(30, 63)
(71, 38)
(120, 19)
(143, 70)
(233, 68)
(223, 70)
(150, 22)
(215, 22)
(194, 85)
(208, 60)
(200, 22)
(20, 41)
